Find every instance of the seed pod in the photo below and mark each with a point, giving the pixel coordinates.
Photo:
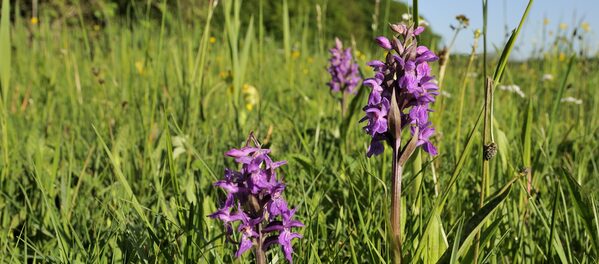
(489, 151)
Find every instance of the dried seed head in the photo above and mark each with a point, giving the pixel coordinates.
(524, 171)
(489, 151)
(464, 21)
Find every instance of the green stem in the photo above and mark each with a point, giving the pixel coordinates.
(415, 13)
(463, 93)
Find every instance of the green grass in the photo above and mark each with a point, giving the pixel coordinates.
(91, 118)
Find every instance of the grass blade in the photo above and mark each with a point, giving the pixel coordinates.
(585, 207)
(477, 221)
(123, 180)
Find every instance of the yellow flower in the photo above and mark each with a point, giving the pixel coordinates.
(546, 21)
(34, 21)
(212, 40)
(585, 26)
(250, 96)
(310, 60)
(97, 27)
(295, 54)
(563, 26)
(562, 56)
(305, 71)
(360, 55)
(224, 74)
(139, 65)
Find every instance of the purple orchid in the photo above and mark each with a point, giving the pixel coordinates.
(285, 234)
(405, 72)
(254, 199)
(402, 91)
(345, 75)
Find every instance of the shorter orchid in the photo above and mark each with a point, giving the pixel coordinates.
(254, 199)
(345, 74)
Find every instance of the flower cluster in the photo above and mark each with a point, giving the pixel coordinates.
(254, 199)
(344, 71)
(406, 73)
(513, 88)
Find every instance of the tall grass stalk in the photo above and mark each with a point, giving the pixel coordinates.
(5, 64)
(197, 75)
(463, 85)
(488, 141)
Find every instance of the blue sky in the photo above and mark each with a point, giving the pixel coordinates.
(441, 13)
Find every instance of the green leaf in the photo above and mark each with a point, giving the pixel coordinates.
(557, 244)
(585, 207)
(509, 46)
(123, 180)
(456, 246)
(503, 145)
(477, 221)
(354, 107)
(5, 53)
(440, 203)
(484, 238)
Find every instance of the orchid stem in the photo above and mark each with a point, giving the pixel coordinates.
(344, 103)
(260, 255)
(396, 203)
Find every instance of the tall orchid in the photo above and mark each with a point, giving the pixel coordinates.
(254, 199)
(345, 74)
(402, 90)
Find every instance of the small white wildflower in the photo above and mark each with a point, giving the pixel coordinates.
(516, 89)
(512, 89)
(406, 16)
(571, 100)
(547, 77)
(472, 74)
(444, 93)
(423, 23)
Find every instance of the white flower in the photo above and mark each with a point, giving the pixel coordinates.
(406, 16)
(547, 77)
(513, 89)
(472, 74)
(423, 23)
(444, 93)
(571, 100)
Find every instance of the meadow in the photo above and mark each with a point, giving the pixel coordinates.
(113, 135)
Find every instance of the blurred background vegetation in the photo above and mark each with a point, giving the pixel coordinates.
(356, 21)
